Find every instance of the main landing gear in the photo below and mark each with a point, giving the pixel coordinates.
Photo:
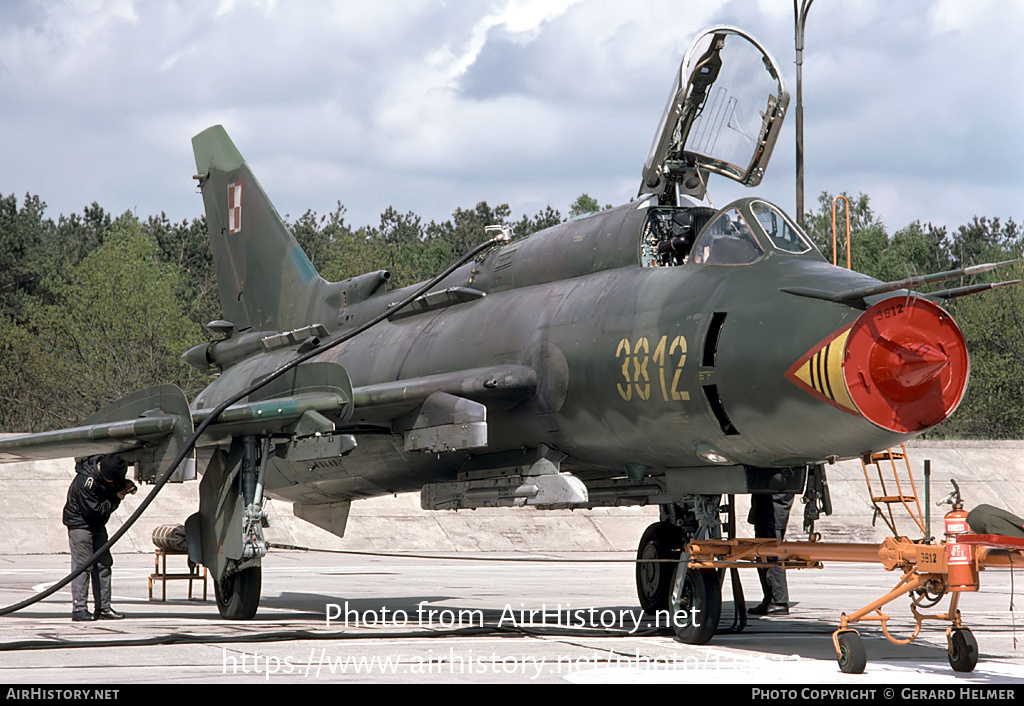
(238, 594)
(226, 535)
(657, 558)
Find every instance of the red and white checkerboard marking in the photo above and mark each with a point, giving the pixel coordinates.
(234, 207)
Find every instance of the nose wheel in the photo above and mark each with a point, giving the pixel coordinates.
(695, 604)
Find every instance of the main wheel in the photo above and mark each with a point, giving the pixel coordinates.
(963, 650)
(696, 606)
(238, 595)
(662, 540)
(852, 655)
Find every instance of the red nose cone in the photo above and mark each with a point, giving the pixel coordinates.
(905, 372)
(905, 364)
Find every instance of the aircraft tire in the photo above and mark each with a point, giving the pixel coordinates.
(699, 607)
(238, 595)
(661, 540)
(963, 650)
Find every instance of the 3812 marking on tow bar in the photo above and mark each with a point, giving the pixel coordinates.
(931, 559)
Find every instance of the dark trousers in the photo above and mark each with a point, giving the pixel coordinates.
(770, 514)
(84, 544)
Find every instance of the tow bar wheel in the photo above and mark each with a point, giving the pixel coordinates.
(850, 652)
(963, 650)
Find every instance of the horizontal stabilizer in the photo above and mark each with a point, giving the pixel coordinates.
(85, 440)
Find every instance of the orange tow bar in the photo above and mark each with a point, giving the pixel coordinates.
(928, 573)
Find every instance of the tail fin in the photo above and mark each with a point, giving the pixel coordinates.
(266, 282)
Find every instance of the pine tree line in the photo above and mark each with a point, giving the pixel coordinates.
(93, 307)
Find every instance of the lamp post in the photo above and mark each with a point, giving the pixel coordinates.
(800, 10)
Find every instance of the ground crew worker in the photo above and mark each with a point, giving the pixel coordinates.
(770, 514)
(98, 488)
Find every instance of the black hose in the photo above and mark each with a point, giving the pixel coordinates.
(212, 417)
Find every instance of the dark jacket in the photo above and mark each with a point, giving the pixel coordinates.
(91, 500)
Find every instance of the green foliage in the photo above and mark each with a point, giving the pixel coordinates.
(867, 234)
(76, 236)
(115, 324)
(583, 205)
(547, 218)
(401, 243)
(185, 248)
(21, 266)
(993, 326)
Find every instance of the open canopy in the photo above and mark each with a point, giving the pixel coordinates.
(723, 115)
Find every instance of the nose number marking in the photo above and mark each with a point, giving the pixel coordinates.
(667, 356)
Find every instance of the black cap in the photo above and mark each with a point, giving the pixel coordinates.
(113, 469)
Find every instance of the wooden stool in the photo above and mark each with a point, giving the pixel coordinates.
(160, 574)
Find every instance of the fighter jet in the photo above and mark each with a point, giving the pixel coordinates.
(661, 352)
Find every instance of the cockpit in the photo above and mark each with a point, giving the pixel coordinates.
(739, 234)
(723, 117)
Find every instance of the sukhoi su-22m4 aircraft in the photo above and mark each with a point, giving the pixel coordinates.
(660, 352)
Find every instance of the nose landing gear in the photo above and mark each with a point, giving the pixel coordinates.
(688, 599)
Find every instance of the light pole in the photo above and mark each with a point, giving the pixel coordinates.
(800, 10)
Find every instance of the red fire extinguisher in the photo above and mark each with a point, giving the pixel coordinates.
(963, 572)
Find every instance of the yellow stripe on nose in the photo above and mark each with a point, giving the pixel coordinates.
(823, 372)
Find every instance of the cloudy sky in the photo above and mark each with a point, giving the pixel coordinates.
(428, 106)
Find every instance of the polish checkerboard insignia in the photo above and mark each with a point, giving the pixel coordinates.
(234, 207)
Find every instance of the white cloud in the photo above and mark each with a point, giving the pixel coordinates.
(431, 106)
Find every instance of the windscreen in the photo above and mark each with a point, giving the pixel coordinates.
(728, 240)
(782, 234)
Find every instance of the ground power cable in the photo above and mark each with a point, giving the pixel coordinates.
(451, 557)
(310, 636)
(504, 237)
